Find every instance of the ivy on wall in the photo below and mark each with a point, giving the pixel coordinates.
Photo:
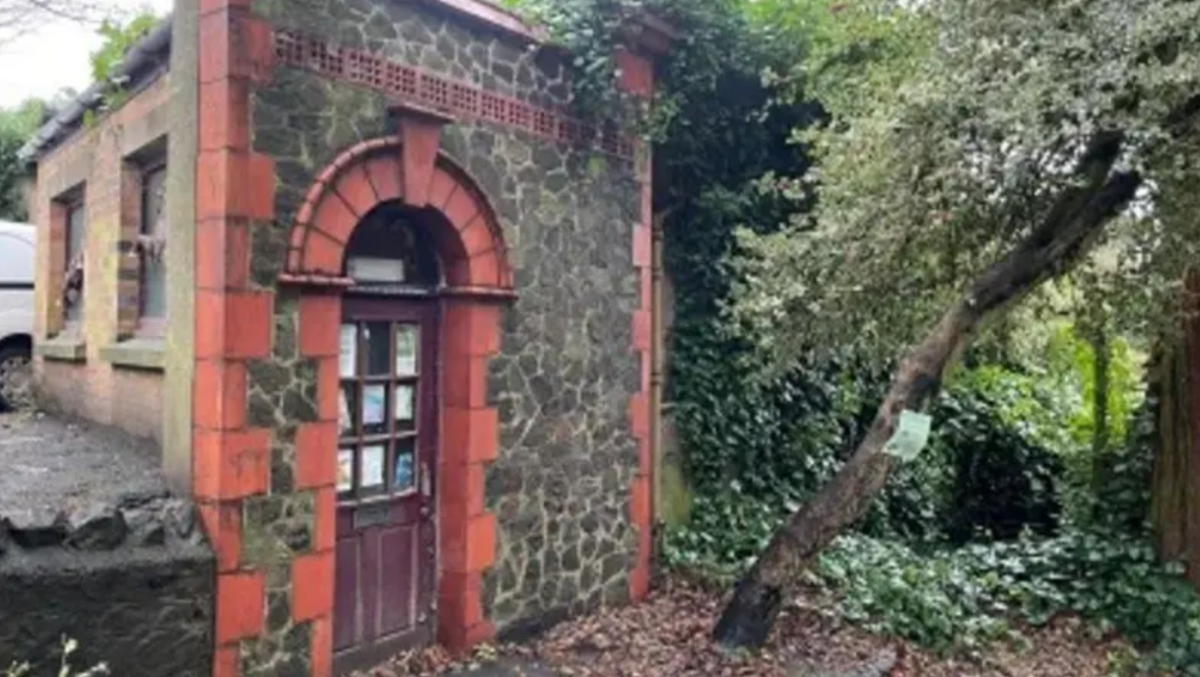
(754, 449)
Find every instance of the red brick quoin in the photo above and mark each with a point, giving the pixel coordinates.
(234, 189)
(408, 167)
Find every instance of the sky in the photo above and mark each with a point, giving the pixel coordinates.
(55, 56)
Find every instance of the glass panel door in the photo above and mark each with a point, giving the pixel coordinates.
(378, 410)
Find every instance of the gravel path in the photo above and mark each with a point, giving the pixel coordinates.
(53, 464)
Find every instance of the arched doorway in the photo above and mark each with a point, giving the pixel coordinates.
(386, 553)
(396, 242)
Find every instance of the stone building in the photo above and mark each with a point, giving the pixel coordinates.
(386, 305)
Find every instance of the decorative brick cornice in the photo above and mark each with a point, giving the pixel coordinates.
(453, 98)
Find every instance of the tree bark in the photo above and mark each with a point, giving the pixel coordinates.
(1068, 230)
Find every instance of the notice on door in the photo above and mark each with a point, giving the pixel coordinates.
(374, 406)
(345, 476)
(372, 467)
(406, 350)
(348, 355)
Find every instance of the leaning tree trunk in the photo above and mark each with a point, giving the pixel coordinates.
(1068, 230)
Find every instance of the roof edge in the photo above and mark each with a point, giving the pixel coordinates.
(142, 64)
(144, 60)
(493, 15)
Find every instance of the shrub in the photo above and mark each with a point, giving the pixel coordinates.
(755, 455)
(1001, 481)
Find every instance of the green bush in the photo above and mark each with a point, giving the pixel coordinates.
(757, 454)
(1001, 482)
(1120, 499)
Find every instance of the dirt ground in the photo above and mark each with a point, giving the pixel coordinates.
(667, 636)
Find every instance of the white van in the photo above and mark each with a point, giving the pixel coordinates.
(16, 312)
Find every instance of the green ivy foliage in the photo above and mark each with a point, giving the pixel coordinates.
(754, 449)
(964, 599)
(999, 465)
(981, 477)
(999, 481)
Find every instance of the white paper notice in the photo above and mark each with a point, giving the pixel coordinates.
(912, 433)
(344, 419)
(406, 350)
(372, 466)
(345, 477)
(404, 403)
(369, 269)
(374, 405)
(348, 357)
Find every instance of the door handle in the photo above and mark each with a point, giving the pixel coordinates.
(426, 489)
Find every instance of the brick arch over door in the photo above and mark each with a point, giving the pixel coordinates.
(383, 170)
(478, 279)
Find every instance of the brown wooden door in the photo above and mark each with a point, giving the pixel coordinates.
(386, 539)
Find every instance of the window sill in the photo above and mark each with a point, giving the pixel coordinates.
(138, 353)
(62, 349)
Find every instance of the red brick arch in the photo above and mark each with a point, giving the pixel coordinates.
(469, 242)
(374, 172)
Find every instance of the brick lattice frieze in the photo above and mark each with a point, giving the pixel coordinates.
(458, 99)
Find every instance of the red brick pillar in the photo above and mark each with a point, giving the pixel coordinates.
(470, 430)
(637, 79)
(234, 189)
(312, 575)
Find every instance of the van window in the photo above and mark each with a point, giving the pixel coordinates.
(16, 262)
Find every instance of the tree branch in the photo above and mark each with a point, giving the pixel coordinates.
(19, 16)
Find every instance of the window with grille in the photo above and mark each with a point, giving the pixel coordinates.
(74, 253)
(152, 241)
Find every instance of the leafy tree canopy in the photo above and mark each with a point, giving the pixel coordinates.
(15, 126)
(955, 128)
(119, 36)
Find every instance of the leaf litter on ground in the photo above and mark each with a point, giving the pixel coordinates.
(668, 636)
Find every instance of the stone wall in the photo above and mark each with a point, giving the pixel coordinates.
(562, 383)
(94, 548)
(437, 41)
(144, 607)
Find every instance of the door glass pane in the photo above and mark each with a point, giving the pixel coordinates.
(345, 471)
(348, 356)
(374, 410)
(371, 470)
(404, 476)
(377, 336)
(404, 407)
(347, 407)
(406, 350)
